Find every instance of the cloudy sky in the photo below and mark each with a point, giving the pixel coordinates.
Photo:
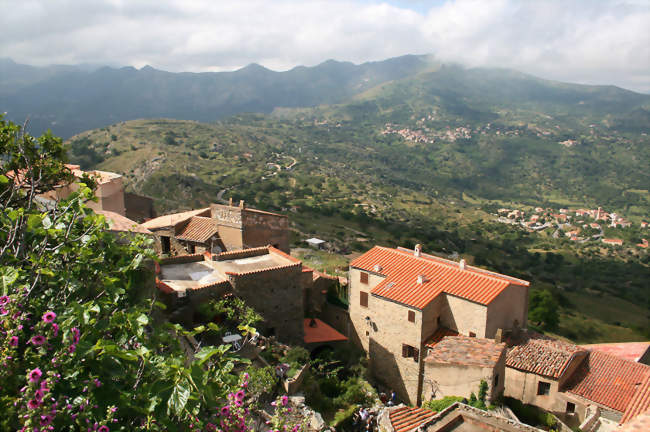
(588, 41)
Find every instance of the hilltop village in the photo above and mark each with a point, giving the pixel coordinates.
(429, 328)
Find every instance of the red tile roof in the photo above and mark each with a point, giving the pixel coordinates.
(404, 419)
(117, 222)
(541, 355)
(468, 351)
(172, 219)
(640, 401)
(437, 336)
(632, 351)
(608, 380)
(402, 268)
(321, 332)
(198, 229)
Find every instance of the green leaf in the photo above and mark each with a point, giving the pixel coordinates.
(178, 399)
(207, 352)
(8, 276)
(3, 179)
(142, 319)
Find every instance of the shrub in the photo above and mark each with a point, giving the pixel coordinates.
(438, 405)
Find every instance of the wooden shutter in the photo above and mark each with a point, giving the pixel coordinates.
(405, 350)
(363, 299)
(416, 355)
(363, 277)
(412, 316)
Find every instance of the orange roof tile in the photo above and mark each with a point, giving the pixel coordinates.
(608, 380)
(117, 222)
(640, 401)
(198, 229)
(468, 351)
(437, 336)
(404, 419)
(402, 268)
(542, 355)
(172, 219)
(632, 351)
(321, 332)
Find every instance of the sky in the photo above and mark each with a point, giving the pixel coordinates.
(588, 41)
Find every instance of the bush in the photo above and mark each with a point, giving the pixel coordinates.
(438, 405)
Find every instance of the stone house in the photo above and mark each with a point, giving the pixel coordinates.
(267, 279)
(575, 383)
(399, 298)
(219, 228)
(456, 365)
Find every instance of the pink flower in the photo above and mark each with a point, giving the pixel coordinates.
(71, 348)
(75, 335)
(3, 311)
(46, 420)
(225, 410)
(35, 375)
(103, 428)
(55, 326)
(13, 341)
(38, 340)
(240, 395)
(285, 400)
(238, 403)
(49, 316)
(38, 394)
(4, 300)
(33, 404)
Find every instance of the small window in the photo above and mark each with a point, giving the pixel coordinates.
(363, 299)
(438, 321)
(409, 351)
(570, 408)
(543, 388)
(411, 316)
(472, 334)
(367, 333)
(363, 277)
(496, 380)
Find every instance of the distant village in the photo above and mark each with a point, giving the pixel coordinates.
(580, 225)
(430, 327)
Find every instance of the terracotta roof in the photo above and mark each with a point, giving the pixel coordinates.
(172, 219)
(199, 229)
(608, 380)
(437, 336)
(632, 351)
(404, 419)
(541, 355)
(321, 332)
(640, 401)
(117, 222)
(640, 423)
(402, 268)
(468, 351)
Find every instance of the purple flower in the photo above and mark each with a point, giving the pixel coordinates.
(38, 394)
(46, 420)
(33, 404)
(3, 311)
(55, 326)
(240, 395)
(238, 403)
(225, 410)
(75, 335)
(13, 341)
(49, 316)
(35, 375)
(71, 348)
(4, 300)
(38, 340)
(103, 428)
(98, 383)
(285, 400)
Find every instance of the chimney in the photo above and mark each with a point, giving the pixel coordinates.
(421, 279)
(418, 250)
(377, 268)
(461, 264)
(241, 204)
(230, 201)
(498, 337)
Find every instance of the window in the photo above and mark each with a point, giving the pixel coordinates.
(411, 316)
(472, 334)
(496, 380)
(438, 321)
(363, 277)
(363, 299)
(409, 351)
(543, 388)
(165, 244)
(570, 408)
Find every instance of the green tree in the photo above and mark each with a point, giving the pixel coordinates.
(543, 309)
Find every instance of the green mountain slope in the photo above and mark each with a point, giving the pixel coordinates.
(72, 99)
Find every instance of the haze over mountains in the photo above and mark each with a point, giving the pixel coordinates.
(71, 99)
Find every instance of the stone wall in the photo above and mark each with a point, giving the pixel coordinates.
(509, 306)
(463, 316)
(337, 317)
(275, 294)
(261, 229)
(138, 207)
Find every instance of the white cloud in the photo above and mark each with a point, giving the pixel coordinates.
(589, 41)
